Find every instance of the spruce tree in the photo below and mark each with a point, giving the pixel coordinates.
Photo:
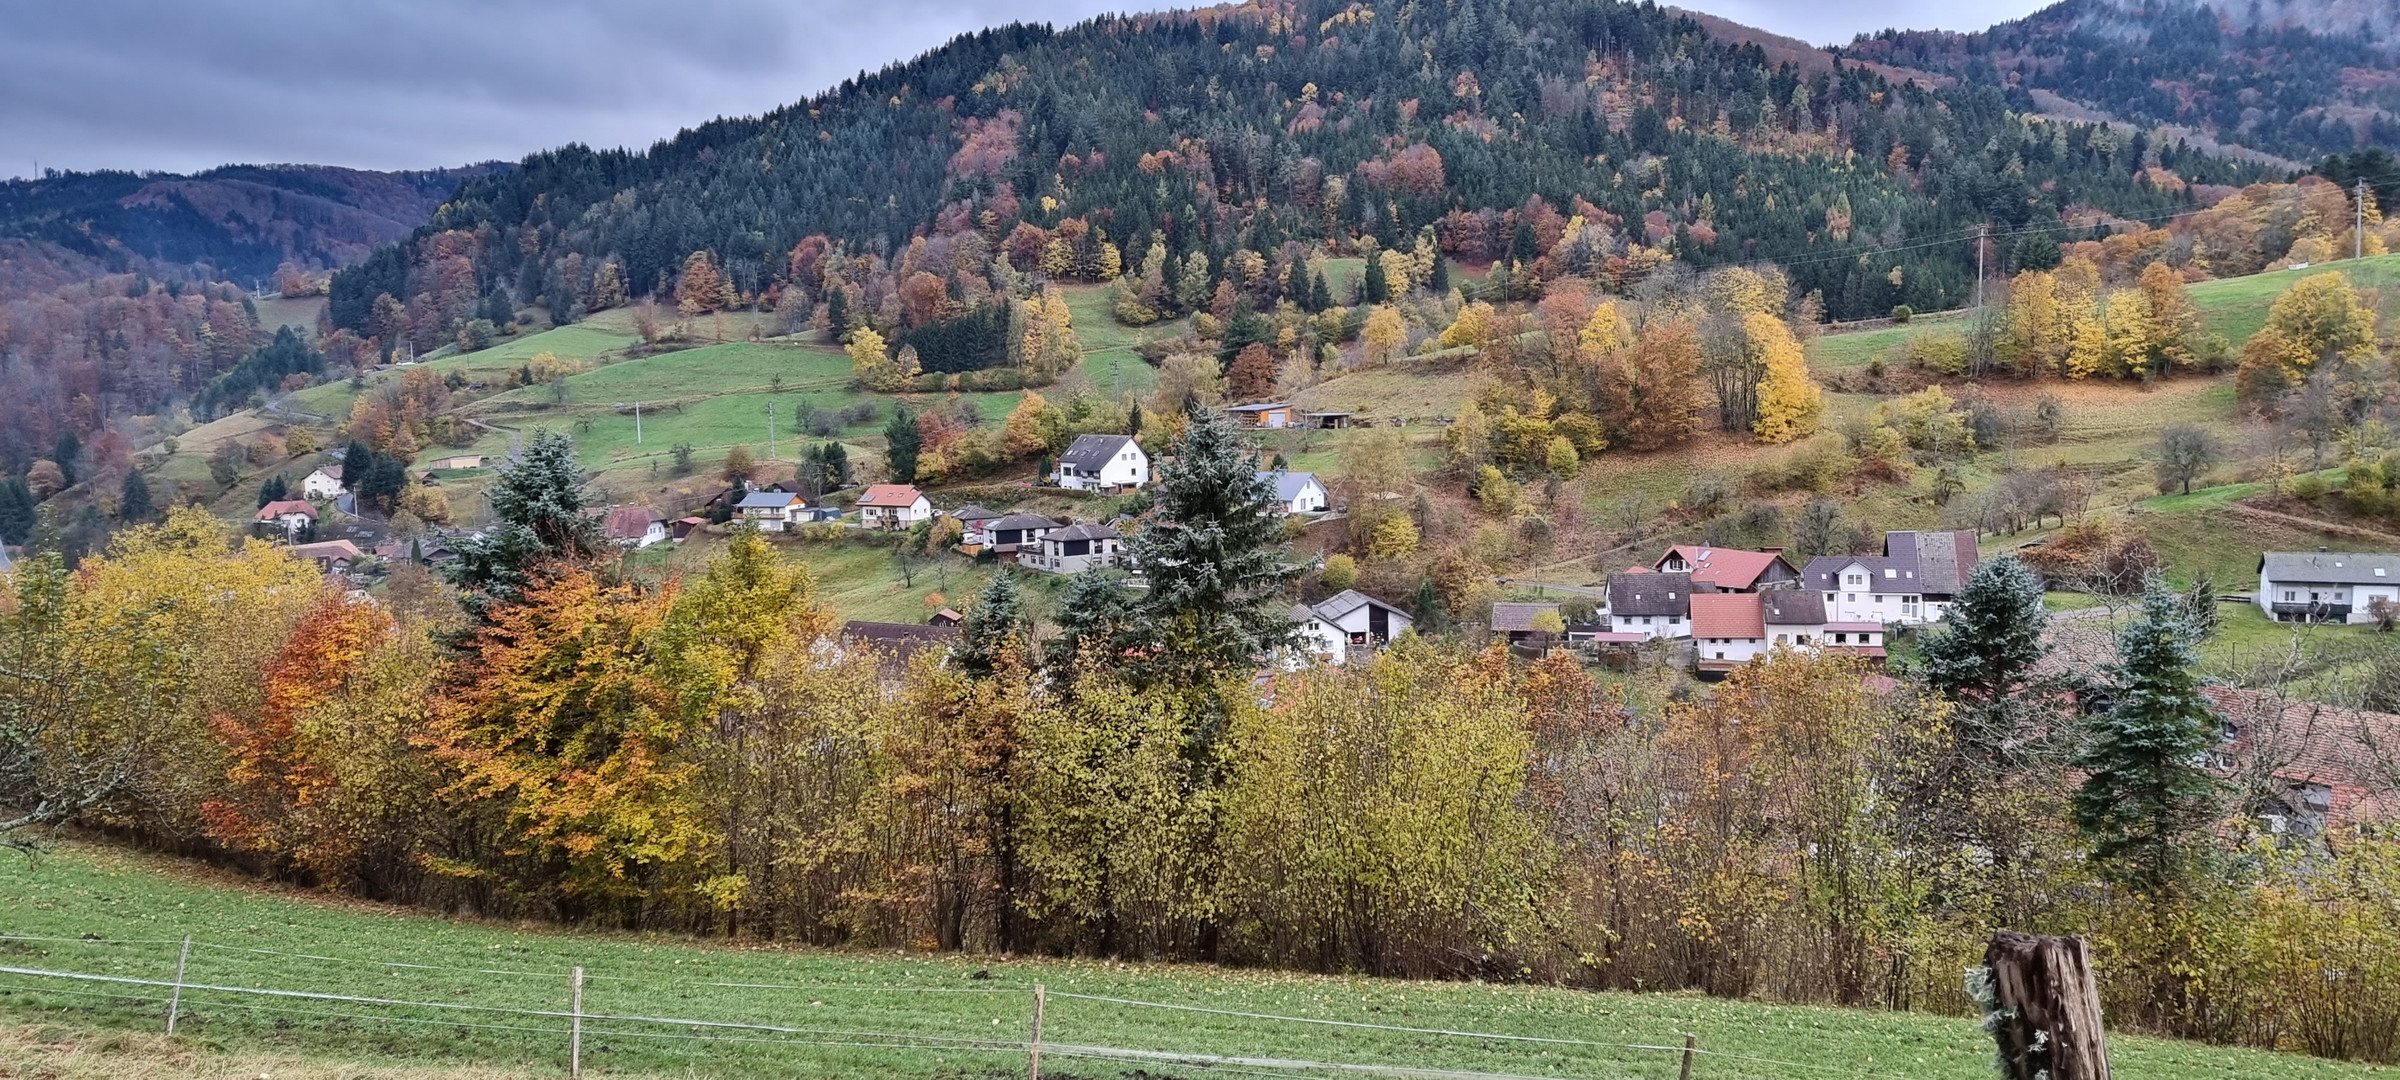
(133, 500)
(1095, 612)
(1374, 288)
(542, 517)
(996, 624)
(1320, 297)
(901, 444)
(1438, 282)
(1983, 655)
(2148, 800)
(1215, 558)
(16, 510)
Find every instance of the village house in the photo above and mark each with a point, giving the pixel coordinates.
(1271, 414)
(1653, 604)
(893, 506)
(1104, 463)
(771, 511)
(1729, 569)
(1514, 619)
(1074, 549)
(2327, 586)
(323, 482)
(635, 527)
(1728, 628)
(2310, 766)
(1348, 620)
(972, 520)
(1911, 583)
(331, 556)
(288, 516)
(1011, 535)
(1296, 492)
(895, 644)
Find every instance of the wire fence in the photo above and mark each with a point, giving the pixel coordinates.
(568, 1020)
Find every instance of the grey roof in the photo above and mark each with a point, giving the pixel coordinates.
(1086, 531)
(974, 512)
(1511, 615)
(1793, 607)
(767, 500)
(1929, 562)
(1093, 451)
(1288, 484)
(1650, 593)
(1021, 521)
(1263, 406)
(1344, 602)
(2331, 567)
(1940, 568)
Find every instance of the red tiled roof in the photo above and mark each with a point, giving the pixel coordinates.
(280, 507)
(1725, 568)
(1728, 615)
(2349, 751)
(891, 495)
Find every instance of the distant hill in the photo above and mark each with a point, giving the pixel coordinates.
(239, 222)
(2301, 79)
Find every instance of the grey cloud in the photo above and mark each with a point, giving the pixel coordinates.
(401, 84)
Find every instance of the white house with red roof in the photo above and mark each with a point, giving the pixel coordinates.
(1730, 629)
(289, 515)
(893, 506)
(323, 482)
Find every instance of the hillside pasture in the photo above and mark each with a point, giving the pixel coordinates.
(499, 992)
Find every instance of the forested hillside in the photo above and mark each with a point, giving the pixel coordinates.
(1136, 146)
(2300, 78)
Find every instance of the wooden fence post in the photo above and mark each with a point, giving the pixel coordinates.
(2048, 1008)
(575, 1032)
(1033, 1060)
(1690, 1043)
(175, 1000)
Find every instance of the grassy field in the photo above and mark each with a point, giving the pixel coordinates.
(861, 1014)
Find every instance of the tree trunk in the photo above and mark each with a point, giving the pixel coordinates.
(2049, 1008)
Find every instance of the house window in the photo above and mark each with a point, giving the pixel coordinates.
(1645, 620)
(1839, 639)
(1720, 654)
(1783, 639)
(1850, 598)
(2289, 594)
(1879, 598)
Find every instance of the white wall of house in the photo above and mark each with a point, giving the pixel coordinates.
(771, 518)
(1728, 650)
(1864, 594)
(1333, 639)
(1130, 468)
(896, 517)
(1059, 556)
(1652, 626)
(319, 484)
(2360, 598)
(1308, 500)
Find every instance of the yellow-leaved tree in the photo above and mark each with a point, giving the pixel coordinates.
(2319, 322)
(871, 367)
(1034, 427)
(1386, 334)
(1789, 402)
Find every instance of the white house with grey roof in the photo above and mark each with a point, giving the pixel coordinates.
(1347, 620)
(1074, 549)
(2327, 586)
(1911, 583)
(1650, 603)
(771, 511)
(1103, 463)
(1296, 492)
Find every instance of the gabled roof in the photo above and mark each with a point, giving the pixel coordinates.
(1093, 451)
(1725, 568)
(1087, 531)
(1021, 521)
(1930, 562)
(1264, 406)
(280, 507)
(1728, 615)
(767, 500)
(1944, 559)
(2346, 750)
(1657, 592)
(1793, 607)
(331, 471)
(325, 549)
(2331, 567)
(631, 522)
(1288, 484)
(1342, 603)
(1511, 615)
(974, 512)
(891, 495)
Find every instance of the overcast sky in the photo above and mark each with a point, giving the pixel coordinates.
(394, 84)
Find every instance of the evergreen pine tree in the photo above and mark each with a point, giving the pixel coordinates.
(64, 453)
(1438, 282)
(1431, 617)
(901, 443)
(1320, 297)
(1215, 557)
(2148, 799)
(16, 510)
(1095, 611)
(1983, 655)
(1374, 288)
(995, 625)
(1133, 421)
(542, 516)
(133, 500)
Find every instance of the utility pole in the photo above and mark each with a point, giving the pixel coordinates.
(637, 423)
(770, 430)
(1981, 231)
